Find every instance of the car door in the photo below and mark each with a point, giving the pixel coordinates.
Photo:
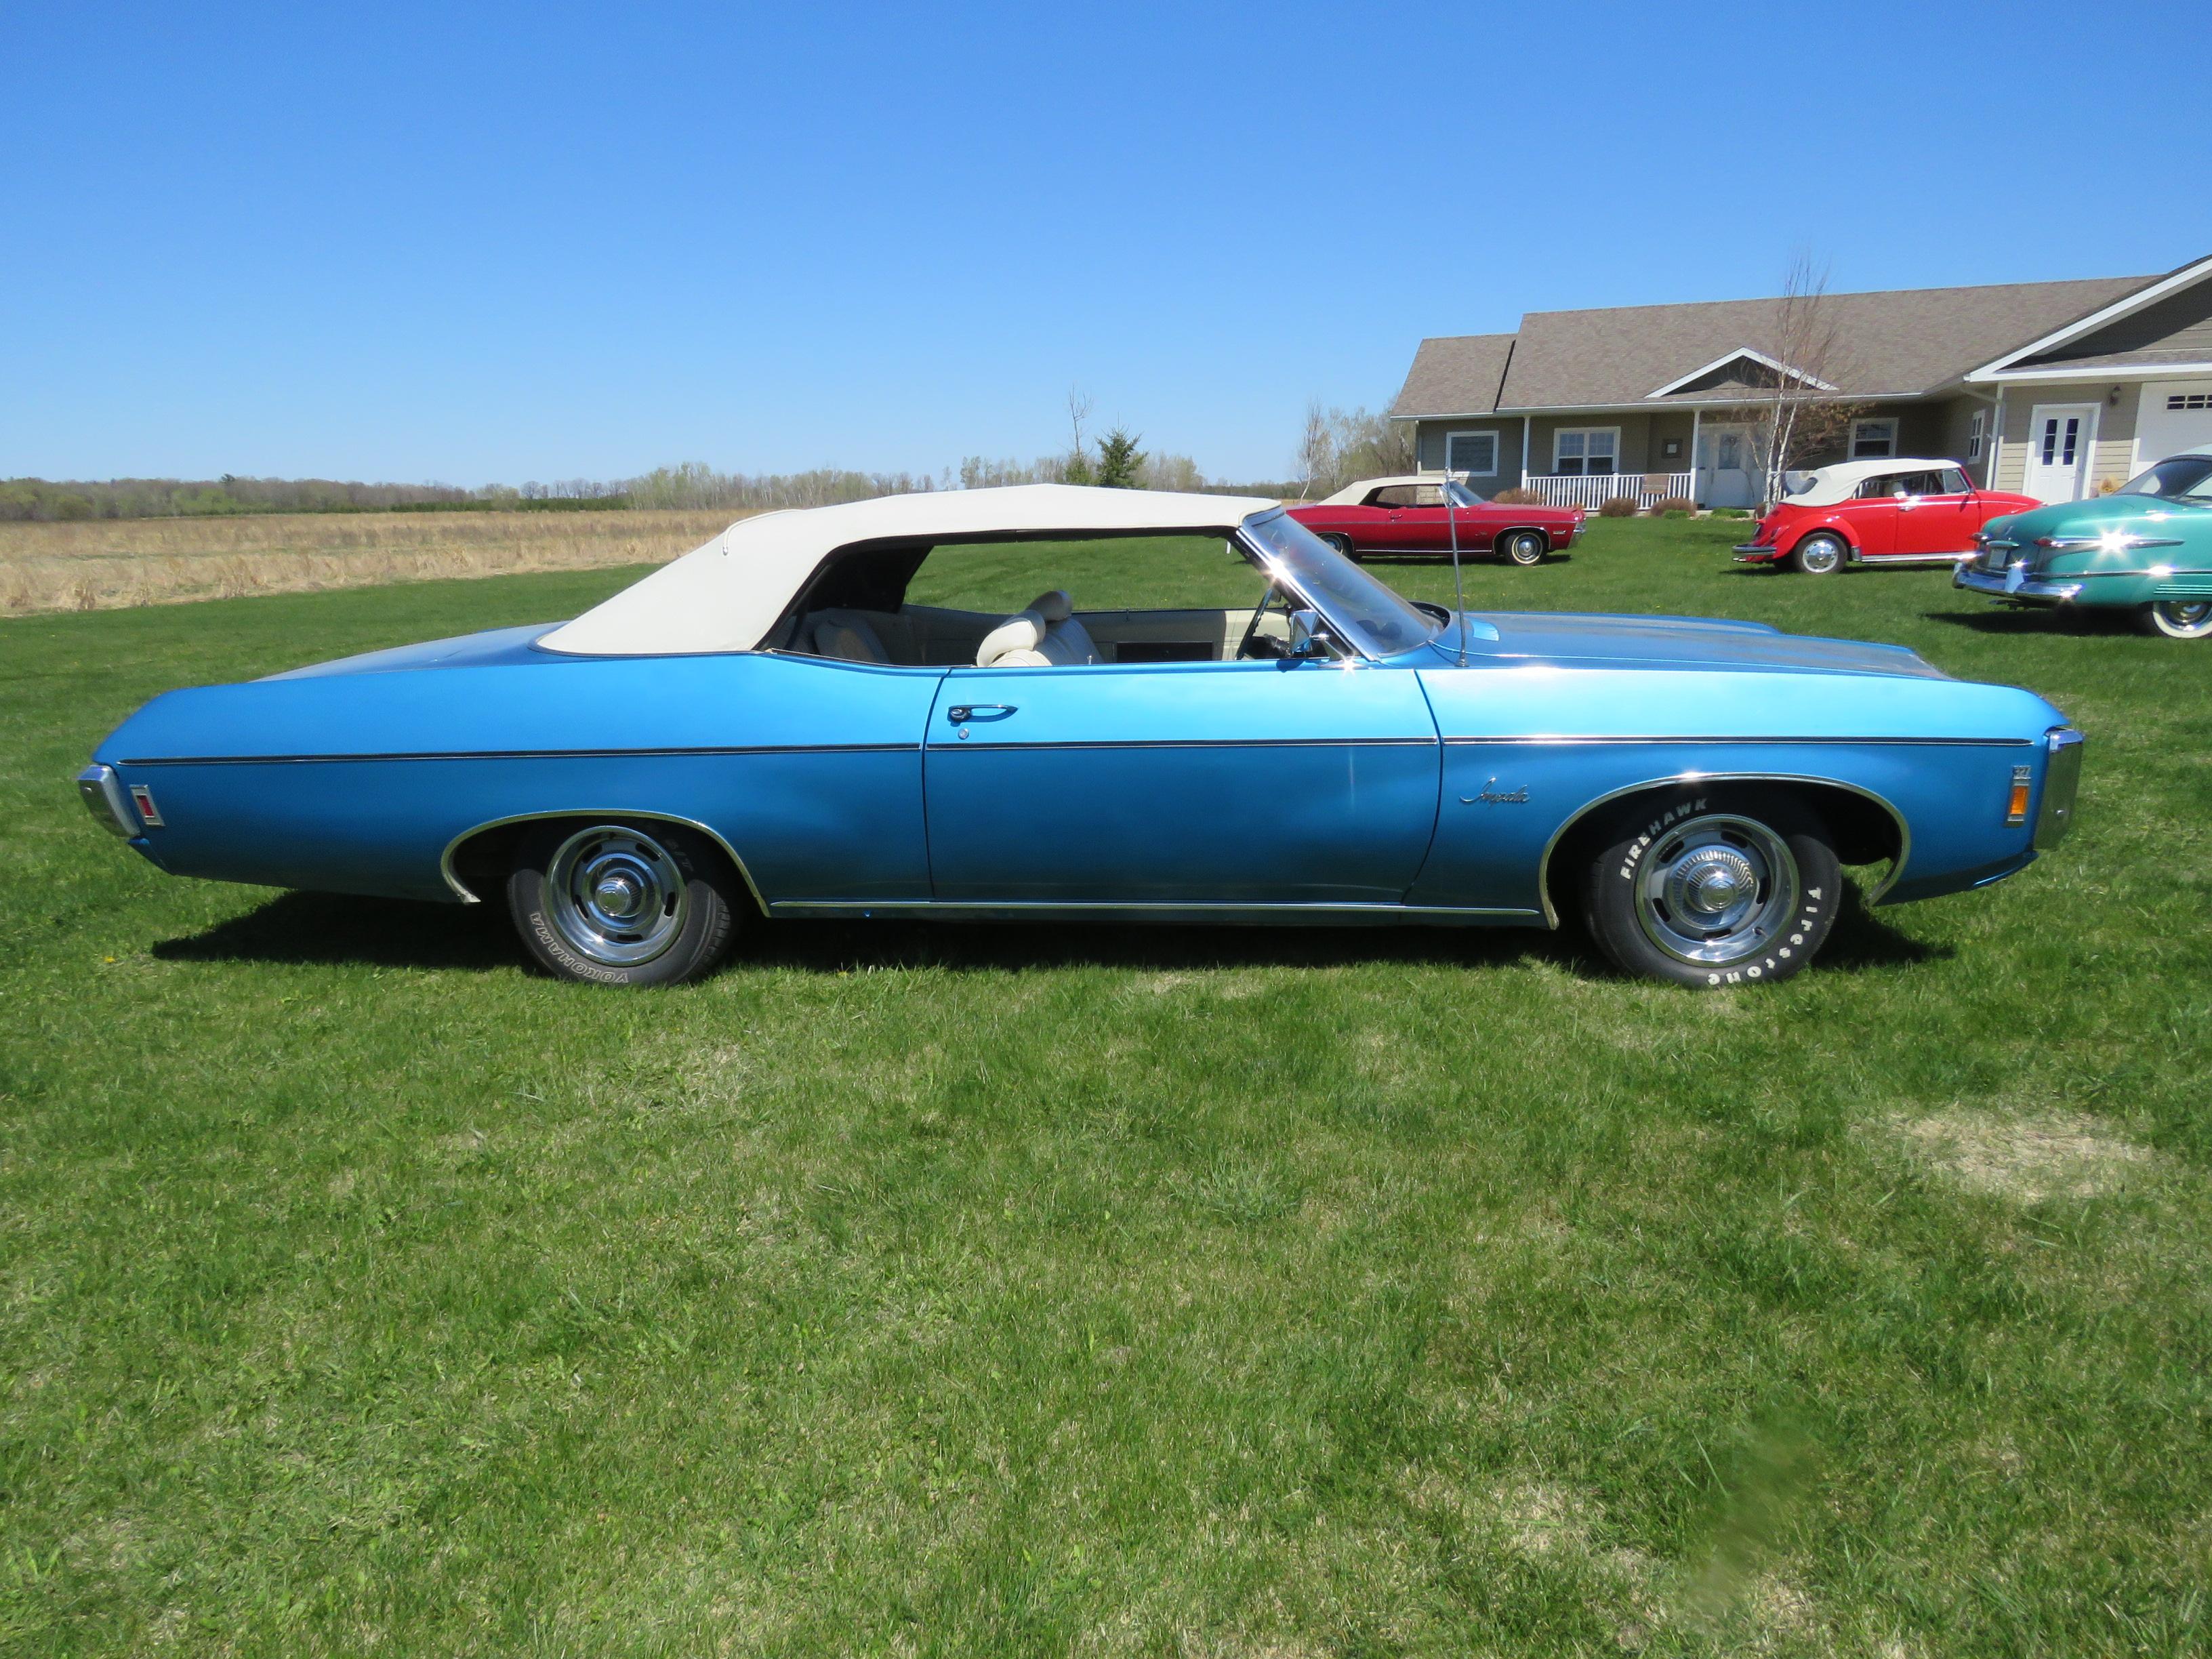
(1935, 516)
(1871, 515)
(1172, 784)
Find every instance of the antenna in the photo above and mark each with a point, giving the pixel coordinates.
(1459, 589)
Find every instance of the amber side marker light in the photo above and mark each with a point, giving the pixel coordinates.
(2016, 808)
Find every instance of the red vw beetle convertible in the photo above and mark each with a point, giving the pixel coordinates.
(1885, 512)
(1421, 515)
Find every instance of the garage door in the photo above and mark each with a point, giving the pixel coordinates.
(2177, 414)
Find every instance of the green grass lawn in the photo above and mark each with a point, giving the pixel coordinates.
(979, 1290)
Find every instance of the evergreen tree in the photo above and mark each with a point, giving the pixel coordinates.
(1119, 461)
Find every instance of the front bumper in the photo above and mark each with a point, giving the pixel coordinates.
(2009, 584)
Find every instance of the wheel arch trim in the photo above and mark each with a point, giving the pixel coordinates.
(1582, 814)
(461, 890)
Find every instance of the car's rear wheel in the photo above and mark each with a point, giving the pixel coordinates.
(2176, 619)
(1523, 546)
(1711, 888)
(616, 903)
(1820, 555)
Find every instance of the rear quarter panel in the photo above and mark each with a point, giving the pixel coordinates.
(358, 783)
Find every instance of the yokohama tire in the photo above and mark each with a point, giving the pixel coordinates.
(1821, 554)
(618, 902)
(1713, 887)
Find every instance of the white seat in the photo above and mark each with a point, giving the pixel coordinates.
(847, 636)
(1046, 636)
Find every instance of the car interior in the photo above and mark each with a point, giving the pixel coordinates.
(856, 609)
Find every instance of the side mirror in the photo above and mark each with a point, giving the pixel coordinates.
(1309, 635)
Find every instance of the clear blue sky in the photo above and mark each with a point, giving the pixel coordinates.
(473, 243)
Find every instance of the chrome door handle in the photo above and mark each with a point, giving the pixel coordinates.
(961, 713)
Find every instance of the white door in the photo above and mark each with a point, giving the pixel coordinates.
(2059, 440)
(2176, 416)
(1724, 466)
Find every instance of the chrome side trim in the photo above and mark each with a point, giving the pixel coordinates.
(617, 813)
(101, 791)
(1376, 908)
(527, 754)
(1896, 867)
(994, 747)
(1961, 742)
(2062, 778)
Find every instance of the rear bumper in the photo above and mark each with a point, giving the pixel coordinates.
(1998, 585)
(2061, 779)
(1754, 554)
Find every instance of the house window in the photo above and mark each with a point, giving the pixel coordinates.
(2182, 400)
(1471, 453)
(1874, 440)
(1977, 424)
(1593, 450)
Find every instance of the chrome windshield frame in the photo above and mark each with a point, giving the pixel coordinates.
(1270, 564)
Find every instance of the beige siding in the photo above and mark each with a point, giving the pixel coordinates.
(2113, 459)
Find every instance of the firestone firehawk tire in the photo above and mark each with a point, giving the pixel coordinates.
(614, 902)
(1523, 547)
(2176, 619)
(1713, 887)
(1820, 555)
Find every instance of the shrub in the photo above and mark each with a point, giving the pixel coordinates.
(1673, 507)
(1517, 498)
(1734, 513)
(1618, 506)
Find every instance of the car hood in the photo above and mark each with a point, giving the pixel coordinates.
(2092, 517)
(1685, 642)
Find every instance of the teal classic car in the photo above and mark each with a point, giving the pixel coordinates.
(2147, 547)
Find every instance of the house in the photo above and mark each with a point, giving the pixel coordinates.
(2058, 389)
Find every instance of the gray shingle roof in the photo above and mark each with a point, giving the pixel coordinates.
(1900, 343)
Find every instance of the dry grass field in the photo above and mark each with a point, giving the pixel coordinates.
(103, 564)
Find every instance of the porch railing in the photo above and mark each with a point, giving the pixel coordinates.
(1594, 489)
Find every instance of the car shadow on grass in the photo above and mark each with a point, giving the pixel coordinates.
(2026, 623)
(332, 929)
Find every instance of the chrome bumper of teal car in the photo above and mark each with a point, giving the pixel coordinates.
(2009, 584)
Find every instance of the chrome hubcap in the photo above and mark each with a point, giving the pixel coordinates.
(1821, 556)
(2192, 617)
(1717, 889)
(617, 895)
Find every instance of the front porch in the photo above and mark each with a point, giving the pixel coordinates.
(1594, 489)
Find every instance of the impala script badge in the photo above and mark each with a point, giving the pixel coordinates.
(1491, 797)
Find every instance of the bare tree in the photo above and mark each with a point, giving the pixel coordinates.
(1315, 460)
(1078, 470)
(1801, 412)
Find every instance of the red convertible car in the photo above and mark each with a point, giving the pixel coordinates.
(1886, 511)
(1421, 515)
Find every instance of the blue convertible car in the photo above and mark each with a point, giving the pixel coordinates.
(775, 724)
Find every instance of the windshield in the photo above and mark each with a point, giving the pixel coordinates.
(2185, 476)
(1370, 616)
(1460, 495)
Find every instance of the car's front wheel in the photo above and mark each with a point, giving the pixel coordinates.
(1821, 554)
(1523, 546)
(1343, 544)
(614, 903)
(2176, 619)
(1712, 888)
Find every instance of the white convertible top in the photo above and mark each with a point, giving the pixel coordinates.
(1830, 485)
(726, 595)
(1350, 495)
